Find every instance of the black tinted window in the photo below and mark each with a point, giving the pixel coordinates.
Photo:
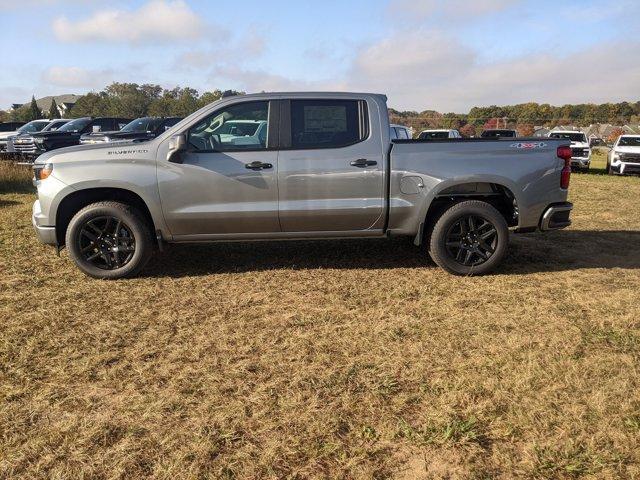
(325, 123)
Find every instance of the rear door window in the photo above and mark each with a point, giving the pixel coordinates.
(327, 123)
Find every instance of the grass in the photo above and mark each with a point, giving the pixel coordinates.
(326, 360)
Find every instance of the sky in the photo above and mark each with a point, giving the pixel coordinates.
(424, 54)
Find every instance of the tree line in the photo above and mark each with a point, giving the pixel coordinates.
(130, 100)
(522, 117)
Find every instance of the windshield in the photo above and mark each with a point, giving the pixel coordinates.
(32, 127)
(433, 135)
(75, 125)
(574, 137)
(54, 125)
(147, 124)
(629, 142)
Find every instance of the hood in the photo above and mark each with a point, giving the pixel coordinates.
(99, 151)
(627, 150)
(55, 134)
(580, 145)
(5, 135)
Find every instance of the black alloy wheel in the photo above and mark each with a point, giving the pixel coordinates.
(471, 240)
(106, 242)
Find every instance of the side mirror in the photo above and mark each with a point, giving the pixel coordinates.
(96, 128)
(177, 144)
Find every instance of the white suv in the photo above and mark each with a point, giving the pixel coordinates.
(624, 156)
(580, 149)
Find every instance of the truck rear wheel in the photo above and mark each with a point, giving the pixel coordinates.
(109, 240)
(470, 238)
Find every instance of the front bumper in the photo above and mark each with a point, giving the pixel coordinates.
(626, 168)
(46, 234)
(556, 216)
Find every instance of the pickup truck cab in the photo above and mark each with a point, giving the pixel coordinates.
(439, 134)
(139, 130)
(399, 132)
(324, 168)
(580, 148)
(624, 157)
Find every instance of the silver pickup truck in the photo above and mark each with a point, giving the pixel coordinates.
(298, 166)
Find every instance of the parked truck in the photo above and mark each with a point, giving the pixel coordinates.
(326, 168)
(580, 148)
(624, 157)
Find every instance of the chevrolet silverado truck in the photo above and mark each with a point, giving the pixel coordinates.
(581, 151)
(31, 127)
(624, 157)
(325, 168)
(139, 130)
(23, 144)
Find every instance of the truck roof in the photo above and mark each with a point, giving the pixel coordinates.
(317, 94)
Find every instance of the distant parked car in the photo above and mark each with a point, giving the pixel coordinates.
(624, 157)
(439, 134)
(580, 150)
(597, 142)
(31, 127)
(499, 133)
(23, 143)
(139, 130)
(399, 132)
(10, 126)
(69, 134)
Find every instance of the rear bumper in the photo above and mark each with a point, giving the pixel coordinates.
(45, 234)
(556, 216)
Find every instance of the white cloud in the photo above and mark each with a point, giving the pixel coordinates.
(155, 21)
(77, 77)
(448, 9)
(431, 77)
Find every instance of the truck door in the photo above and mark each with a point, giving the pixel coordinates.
(226, 183)
(330, 166)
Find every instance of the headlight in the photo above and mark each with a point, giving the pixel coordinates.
(42, 172)
(38, 140)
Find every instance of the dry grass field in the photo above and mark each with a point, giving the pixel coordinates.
(326, 360)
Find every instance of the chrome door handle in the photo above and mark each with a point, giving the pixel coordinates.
(258, 166)
(363, 162)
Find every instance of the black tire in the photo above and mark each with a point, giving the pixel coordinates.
(109, 255)
(488, 241)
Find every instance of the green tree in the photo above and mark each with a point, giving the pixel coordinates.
(34, 111)
(53, 109)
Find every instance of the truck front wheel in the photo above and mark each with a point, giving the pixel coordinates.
(470, 238)
(109, 240)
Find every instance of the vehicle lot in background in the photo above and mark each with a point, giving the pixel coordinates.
(340, 360)
(69, 134)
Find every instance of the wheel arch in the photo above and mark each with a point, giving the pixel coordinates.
(78, 199)
(496, 192)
